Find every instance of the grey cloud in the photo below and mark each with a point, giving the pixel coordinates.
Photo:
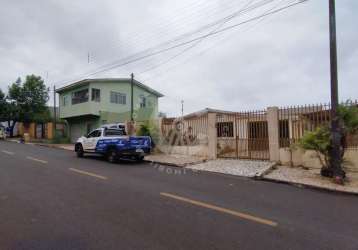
(282, 60)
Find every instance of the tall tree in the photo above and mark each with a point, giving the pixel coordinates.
(27, 101)
(2, 106)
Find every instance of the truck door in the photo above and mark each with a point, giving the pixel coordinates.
(90, 142)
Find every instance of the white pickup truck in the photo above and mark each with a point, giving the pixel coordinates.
(113, 144)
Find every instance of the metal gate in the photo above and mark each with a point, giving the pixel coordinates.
(243, 135)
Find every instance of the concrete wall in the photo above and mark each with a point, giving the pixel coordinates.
(198, 150)
(31, 130)
(299, 157)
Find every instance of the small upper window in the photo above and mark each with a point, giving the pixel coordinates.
(142, 101)
(96, 95)
(118, 98)
(65, 100)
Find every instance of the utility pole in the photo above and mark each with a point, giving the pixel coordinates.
(54, 110)
(132, 82)
(182, 108)
(335, 157)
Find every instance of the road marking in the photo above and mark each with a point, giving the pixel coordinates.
(88, 173)
(35, 159)
(222, 210)
(8, 152)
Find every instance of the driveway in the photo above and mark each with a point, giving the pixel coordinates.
(49, 199)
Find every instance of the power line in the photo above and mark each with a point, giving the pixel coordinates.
(199, 41)
(193, 40)
(173, 21)
(183, 36)
(188, 34)
(202, 52)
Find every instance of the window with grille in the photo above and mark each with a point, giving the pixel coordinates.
(65, 100)
(80, 96)
(118, 98)
(225, 129)
(142, 101)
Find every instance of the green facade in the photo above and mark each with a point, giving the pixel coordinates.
(88, 115)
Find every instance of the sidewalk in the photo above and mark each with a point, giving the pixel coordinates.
(243, 168)
(69, 147)
(312, 178)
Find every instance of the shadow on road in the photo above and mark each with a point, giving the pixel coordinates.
(124, 162)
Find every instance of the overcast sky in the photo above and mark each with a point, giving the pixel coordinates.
(282, 59)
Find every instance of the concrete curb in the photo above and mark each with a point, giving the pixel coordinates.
(304, 185)
(174, 164)
(51, 146)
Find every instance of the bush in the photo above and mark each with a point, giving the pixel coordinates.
(59, 139)
(320, 139)
(149, 128)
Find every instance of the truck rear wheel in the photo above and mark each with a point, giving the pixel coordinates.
(112, 155)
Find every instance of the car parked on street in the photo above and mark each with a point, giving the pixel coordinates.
(114, 144)
(2, 133)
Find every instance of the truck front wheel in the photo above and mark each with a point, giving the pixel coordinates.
(79, 150)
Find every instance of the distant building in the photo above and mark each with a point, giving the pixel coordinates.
(90, 103)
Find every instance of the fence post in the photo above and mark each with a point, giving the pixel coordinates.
(273, 133)
(212, 136)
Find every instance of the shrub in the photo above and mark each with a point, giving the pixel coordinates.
(320, 139)
(149, 128)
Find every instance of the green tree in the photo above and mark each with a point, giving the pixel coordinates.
(149, 128)
(3, 105)
(320, 139)
(26, 102)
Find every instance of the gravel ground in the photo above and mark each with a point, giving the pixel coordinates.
(243, 168)
(312, 178)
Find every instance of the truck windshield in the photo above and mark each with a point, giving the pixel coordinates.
(114, 132)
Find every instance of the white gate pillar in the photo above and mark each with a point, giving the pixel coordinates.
(273, 133)
(212, 136)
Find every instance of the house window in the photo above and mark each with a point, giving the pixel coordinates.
(80, 96)
(225, 129)
(284, 133)
(118, 98)
(142, 101)
(65, 100)
(96, 95)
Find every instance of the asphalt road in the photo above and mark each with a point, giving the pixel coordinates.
(49, 199)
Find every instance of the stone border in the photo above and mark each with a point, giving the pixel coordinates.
(311, 186)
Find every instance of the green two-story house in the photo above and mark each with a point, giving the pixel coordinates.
(90, 103)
